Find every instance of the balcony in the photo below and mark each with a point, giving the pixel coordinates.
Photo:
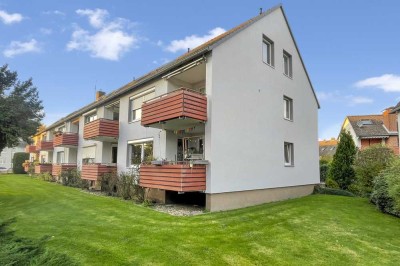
(45, 146)
(43, 168)
(30, 148)
(66, 139)
(175, 110)
(102, 130)
(179, 177)
(61, 167)
(94, 171)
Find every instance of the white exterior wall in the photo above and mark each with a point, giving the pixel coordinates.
(7, 154)
(129, 131)
(245, 132)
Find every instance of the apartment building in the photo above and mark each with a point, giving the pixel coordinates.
(7, 155)
(368, 130)
(233, 121)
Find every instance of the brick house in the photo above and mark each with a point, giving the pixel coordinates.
(368, 130)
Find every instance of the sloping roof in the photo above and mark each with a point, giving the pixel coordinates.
(396, 108)
(373, 129)
(193, 54)
(327, 150)
(329, 142)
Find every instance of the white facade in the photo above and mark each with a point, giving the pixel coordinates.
(7, 154)
(245, 131)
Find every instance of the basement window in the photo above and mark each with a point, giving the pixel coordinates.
(268, 51)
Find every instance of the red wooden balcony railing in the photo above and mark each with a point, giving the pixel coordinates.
(179, 177)
(66, 139)
(101, 129)
(182, 103)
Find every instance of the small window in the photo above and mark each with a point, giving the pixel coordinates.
(135, 105)
(268, 51)
(90, 118)
(289, 152)
(287, 64)
(287, 108)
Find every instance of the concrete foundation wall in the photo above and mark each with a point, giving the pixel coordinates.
(241, 199)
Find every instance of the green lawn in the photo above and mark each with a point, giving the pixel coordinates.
(318, 229)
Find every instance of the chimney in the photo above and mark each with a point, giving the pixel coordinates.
(99, 95)
(389, 120)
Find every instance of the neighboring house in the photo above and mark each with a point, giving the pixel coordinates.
(327, 148)
(368, 130)
(7, 154)
(210, 123)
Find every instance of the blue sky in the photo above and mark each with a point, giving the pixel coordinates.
(350, 48)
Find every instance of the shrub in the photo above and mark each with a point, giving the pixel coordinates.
(332, 191)
(380, 196)
(386, 191)
(341, 169)
(18, 159)
(108, 183)
(46, 177)
(323, 172)
(23, 251)
(72, 178)
(368, 164)
(329, 182)
(124, 185)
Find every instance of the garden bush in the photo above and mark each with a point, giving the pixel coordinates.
(18, 159)
(124, 185)
(23, 251)
(341, 169)
(386, 191)
(332, 191)
(329, 182)
(72, 178)
(323, 172)
(46, 177)
(367, 165)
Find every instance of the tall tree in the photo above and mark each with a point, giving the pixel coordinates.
(21, 109)
(341, 169)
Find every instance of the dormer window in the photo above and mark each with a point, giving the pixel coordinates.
(364, 123)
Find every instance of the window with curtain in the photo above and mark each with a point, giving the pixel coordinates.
(135, 105)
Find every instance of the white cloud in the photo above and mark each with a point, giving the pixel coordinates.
(96, 17)
(17, 48)
(193, 41)
(355, 100)
(54, 12)
(8, 18)
(46, 31)
(110, 39)
(338, 97)
(386, 82)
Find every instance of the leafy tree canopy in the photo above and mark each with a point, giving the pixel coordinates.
(21, 109)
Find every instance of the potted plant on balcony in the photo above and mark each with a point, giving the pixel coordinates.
(57, 133)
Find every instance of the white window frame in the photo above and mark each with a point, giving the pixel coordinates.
(287, 58)
(90, 118)
(138, 142)
(133, 98)
(287, 115)
(269, 57)
(288, 148)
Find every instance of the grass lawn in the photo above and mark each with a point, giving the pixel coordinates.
(318, 229)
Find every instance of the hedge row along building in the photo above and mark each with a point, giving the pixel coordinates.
(233, 121)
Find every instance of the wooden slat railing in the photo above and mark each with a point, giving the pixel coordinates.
(182, 103)
(101, 128)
